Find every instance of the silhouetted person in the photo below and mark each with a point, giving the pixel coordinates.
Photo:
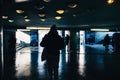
(106, 42)
(53, 42)
(116, 42)
(67, 39)
(91, 40)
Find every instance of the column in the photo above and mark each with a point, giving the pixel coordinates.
(1, 53)
(9, 50)
(9, 53)
(73, 55)
(73, 40)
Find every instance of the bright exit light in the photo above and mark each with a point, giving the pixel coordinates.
(99, 29)
(21, 36)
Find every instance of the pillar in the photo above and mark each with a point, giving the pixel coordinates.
(73, 40)
(1, 53)
(73, 55)
(9, 50)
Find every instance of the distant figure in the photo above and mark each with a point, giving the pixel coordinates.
(91, 40)
(67, 39)
(53, 42)
(106, 42)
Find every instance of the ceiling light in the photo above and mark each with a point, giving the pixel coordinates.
(60, 11)
(19, 11)
(10, 20)
(43, 19)
(72, 5)
(99, 29)
(41, 15)
(43, 28)
(5, 17)
(20, 1)
(58, 17)
(46, 0)
(74, 15)
(39, 7)
(23, 30)
(25, 16)
(27, 20)
(110, 1)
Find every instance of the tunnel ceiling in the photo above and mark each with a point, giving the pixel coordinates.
(77, 13)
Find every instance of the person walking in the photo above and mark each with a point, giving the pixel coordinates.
(67, 39)
(67, 43)
(53, 43)
(106, 42)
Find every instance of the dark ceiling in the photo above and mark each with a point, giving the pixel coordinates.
(88, 13)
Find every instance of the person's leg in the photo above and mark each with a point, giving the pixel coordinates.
(55, 68)
(55, 73)
(50, 70)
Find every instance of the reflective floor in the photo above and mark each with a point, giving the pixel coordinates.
(91, 62)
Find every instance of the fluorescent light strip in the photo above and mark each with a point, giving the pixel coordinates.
(99, 29)
(21, 0)
(43, 28)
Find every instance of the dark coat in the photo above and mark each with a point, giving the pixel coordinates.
(53, 42)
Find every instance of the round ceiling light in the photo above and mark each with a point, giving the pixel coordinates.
(58, 17)
(46, 0)
(110, 1)
(19, 11)
(27, 19)
(41, 15)
(4, 17)
(43, 19)
(60, 11)
(11, 20)
(72, 5)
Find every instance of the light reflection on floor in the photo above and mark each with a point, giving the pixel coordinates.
(82, 60)
(23, 62)
(82, 64)
(29, 64)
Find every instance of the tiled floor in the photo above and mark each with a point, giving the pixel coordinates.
(89, 63)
